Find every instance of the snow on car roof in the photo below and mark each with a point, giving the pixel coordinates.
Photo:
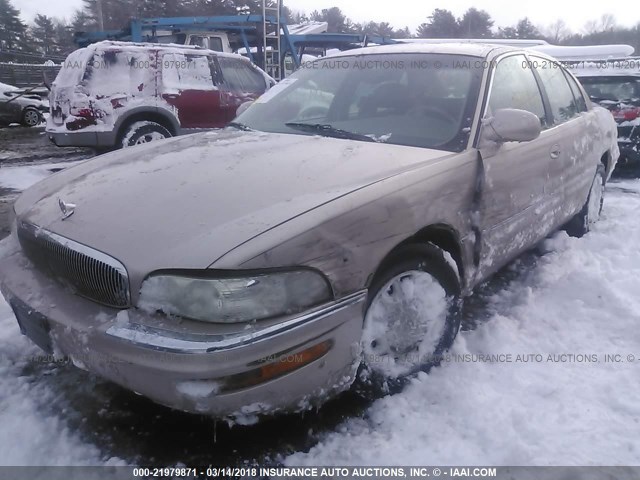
(132, 46)
(585, 52)
(461, 48)
(613, 68)
(498, 41)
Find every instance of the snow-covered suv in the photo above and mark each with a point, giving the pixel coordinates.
(119, 94)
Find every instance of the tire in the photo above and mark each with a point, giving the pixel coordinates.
(590, 213)
(398, 341)
(142, 132)
(30, 117)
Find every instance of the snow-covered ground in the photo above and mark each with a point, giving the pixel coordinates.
(582, 298)
(31, 430)
(21, 177)
(579, 298)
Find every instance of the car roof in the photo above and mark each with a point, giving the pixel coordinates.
(481, 50)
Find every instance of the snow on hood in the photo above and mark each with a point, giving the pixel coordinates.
(185, 202)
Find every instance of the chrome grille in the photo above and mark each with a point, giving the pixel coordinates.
(88, 272)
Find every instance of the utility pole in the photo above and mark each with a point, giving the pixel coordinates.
(99, 15)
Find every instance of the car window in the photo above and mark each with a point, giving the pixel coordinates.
(215, 43)
(240, 76)
(187, 72)
(563, 105)
(125, 72)
(581, 103)
(612, 88)
(514, 86)
(198, 40)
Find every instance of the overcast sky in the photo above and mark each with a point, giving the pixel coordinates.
(411, 13)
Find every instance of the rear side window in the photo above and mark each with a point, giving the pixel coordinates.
(121, 72)
(187, 72)
(563, 105)
(240, 76)
(581, 103)
(514, 86)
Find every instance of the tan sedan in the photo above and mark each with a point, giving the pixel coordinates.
(329, 234)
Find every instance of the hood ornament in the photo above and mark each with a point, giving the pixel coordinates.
(68, 209)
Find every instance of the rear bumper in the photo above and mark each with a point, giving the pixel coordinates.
(191, 371)
(82, 139)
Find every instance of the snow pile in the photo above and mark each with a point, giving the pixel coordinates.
(22, 177)
(31, 433)
(566, 406)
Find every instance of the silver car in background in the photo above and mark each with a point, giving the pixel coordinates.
(328, 234)
(23, 106)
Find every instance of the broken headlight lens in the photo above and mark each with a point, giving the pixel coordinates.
(234, 299)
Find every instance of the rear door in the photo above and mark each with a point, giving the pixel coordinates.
(242, 83)
(572, 165)
(190, 85)
(513, 199)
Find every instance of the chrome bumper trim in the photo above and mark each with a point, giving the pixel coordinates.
(177, 342)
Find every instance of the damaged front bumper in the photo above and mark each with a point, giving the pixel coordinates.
(289, 365)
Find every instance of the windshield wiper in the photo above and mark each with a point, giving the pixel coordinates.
(239, 126)
(327, 130)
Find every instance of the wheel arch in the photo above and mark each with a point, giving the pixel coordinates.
(442, 236)
(162, 117)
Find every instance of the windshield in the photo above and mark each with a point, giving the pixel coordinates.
(614, 89)
(422, 100)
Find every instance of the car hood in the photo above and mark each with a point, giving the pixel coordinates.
(185, 202)
(26, 101)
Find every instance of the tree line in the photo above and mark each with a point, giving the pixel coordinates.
(47, 37)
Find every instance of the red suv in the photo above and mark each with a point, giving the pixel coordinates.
(119, 94)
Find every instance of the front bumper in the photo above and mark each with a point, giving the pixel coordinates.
(189, 371)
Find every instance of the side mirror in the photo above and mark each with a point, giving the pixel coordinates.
(243, 107)
(511, 125)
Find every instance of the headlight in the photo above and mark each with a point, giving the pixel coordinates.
(234, 299)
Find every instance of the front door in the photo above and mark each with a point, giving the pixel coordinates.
(189, 86)
(513, 201)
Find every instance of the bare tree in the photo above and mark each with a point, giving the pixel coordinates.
(591, 27)
(607, 23)
(558, 31)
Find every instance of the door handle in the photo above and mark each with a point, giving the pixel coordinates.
(555, 151)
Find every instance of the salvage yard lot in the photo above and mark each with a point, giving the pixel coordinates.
(571, 301)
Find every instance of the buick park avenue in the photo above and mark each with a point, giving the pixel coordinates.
(328, 235)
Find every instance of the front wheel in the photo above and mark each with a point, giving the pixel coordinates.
(412, 317)
(583, 222)
(139, 133)
(31, 117)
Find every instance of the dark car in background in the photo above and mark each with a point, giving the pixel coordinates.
(618, 91)
(21, 106)
(119, 94)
